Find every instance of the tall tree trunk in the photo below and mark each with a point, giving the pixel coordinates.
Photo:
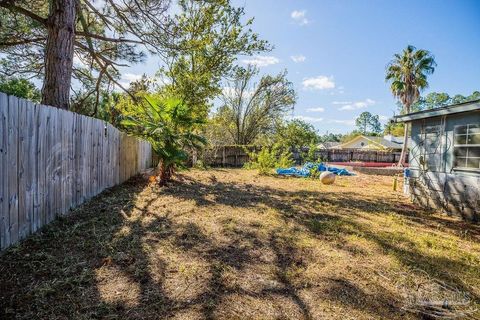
(402, 162)
(59, 53)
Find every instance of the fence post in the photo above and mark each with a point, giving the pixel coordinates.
(223, 157)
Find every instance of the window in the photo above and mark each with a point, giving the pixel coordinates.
(432, 148)
(466, 144)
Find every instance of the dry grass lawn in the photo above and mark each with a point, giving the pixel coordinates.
(229, 244)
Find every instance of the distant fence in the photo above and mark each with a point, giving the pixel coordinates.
(235, 156)
(53, 160)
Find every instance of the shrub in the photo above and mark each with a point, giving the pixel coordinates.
(285, 160)
(315, 173)
(268, 159)
(311, 156)
(201, 165)
(169, 125)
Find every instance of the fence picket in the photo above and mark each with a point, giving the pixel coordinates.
(12, 165)
(53, 160)
(4, 213)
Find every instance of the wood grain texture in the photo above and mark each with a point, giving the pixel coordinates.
(53, 160)
(4, 213)
(13, 170)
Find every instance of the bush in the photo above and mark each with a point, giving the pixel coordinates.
(315, 173)
(201, 165)
(311, 156)
(285, 160)
(268, 159)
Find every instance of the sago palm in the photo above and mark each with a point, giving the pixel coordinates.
(408, 73)
(168, 124)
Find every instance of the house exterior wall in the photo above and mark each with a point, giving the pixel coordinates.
(435, 182)
(360, 143)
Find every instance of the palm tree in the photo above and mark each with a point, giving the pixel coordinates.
(169, 125)
(407, 73)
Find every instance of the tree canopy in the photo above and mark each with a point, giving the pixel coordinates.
(296, 134)
(367, 123)
(407, 74)
(20, 87)
(44, 38)
(61, 40)
(441, 99)
(211, 36)
(249, 110)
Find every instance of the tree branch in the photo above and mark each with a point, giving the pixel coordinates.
(20, 42)
(104, 38)
(98, 55)
(10, 5)
(101, 16)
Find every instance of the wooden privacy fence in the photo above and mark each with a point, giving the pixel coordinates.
(346, 155)
(235, 156)
(53, 160)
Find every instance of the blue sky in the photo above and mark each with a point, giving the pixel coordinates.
(336, 51)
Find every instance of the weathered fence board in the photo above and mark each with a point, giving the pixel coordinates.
(235, 156)
(53, 160)
(4, 216)
(12, 164)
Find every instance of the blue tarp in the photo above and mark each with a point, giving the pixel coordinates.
(307, 167)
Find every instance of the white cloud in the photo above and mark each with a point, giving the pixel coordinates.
(126, 79)
(348, 122)
(342, 102)
(319, 83)
(261, 61)
(299, 58)
(308, 119)
(358, 105)
(299, 16)
(319, 109)
(130, 77)
(383, 118)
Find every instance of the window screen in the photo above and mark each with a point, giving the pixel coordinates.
(467, 146)
(432, 148)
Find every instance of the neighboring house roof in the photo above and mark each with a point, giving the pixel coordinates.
(392, 138)
(327, 145)
(377, 143)
(451, 109)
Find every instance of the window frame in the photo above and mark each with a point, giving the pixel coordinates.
(467, 146)
(432, 160)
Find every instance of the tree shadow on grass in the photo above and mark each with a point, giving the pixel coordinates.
(113, 237)
(314, 211)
